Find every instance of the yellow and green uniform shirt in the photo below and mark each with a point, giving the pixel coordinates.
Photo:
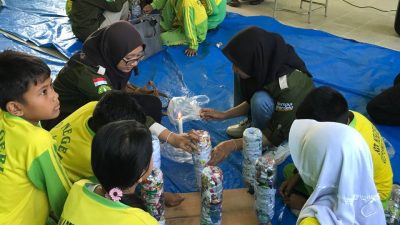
(86, 207)
(184, 22)
(32, 181)
(74, 142)
(309, 221)
(68, 7)
(216, 12)
(383, 174)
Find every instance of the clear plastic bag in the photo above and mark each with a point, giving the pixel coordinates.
(389, 148)
(175, 154)
(189, 107)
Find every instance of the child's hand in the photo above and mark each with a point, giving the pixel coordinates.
(287, 186)
(211, 114)
(147, 9)
(221, 151)
(186, 141)
(190, 52)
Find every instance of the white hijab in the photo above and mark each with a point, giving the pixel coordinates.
(335, 160)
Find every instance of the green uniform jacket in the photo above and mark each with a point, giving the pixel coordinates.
(288, 93)
(87, 15)
(79, 84)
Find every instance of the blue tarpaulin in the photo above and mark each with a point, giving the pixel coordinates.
(357, 70)
(54, 63)
(43, 31)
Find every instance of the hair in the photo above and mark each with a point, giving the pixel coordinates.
(114, 106)
(18, 71)
(324, 104)
(121, 152)
(396, 80)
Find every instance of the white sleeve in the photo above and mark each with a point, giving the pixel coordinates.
(156, 129)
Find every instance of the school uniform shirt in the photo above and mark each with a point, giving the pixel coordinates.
(216, 12)
(309, 221)
(78, 84)
(85, 207)
(185, 22)
(87, 15)
(32, 180)
(74, 142)
(288, 92)
(383, 174)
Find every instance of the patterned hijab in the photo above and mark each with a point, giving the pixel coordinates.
(335, 160)
(263, 56)
(107, 46)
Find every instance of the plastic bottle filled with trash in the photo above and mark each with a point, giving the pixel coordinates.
(389, 148)
(152, 194)
(393, 208)
(264, 189)
(156, 152)
(252, 148)
(211, 196)
(136, 9)
(201, 158)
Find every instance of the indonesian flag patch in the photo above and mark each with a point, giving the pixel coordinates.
(99, 81)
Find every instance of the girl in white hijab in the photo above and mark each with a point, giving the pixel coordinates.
(335, 160)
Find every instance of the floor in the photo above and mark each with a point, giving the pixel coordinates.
(364, 25)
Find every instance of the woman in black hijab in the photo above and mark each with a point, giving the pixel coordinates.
(105, 62)
(271, 80)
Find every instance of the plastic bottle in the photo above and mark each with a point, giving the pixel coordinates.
(389, 148)
(264, 189)
(252, 147)
(136, 9)
(393, 209)
(211, 195)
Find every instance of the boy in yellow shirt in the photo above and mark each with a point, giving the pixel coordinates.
(32, 181)
(325, 104)
(75, 133)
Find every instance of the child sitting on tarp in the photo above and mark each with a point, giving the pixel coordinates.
(385, 107)
(334, 160)
(184, 22)
(121, 159)
(326, 104)
(32, 181)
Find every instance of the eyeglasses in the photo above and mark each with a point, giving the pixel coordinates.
(133, 60)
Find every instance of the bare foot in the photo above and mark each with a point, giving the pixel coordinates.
(295, 201)
(172, 199)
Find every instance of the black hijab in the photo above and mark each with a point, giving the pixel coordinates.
(262, 55)
(107, 46)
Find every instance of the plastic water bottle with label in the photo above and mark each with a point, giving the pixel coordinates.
(393, 208)
(136, 9)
